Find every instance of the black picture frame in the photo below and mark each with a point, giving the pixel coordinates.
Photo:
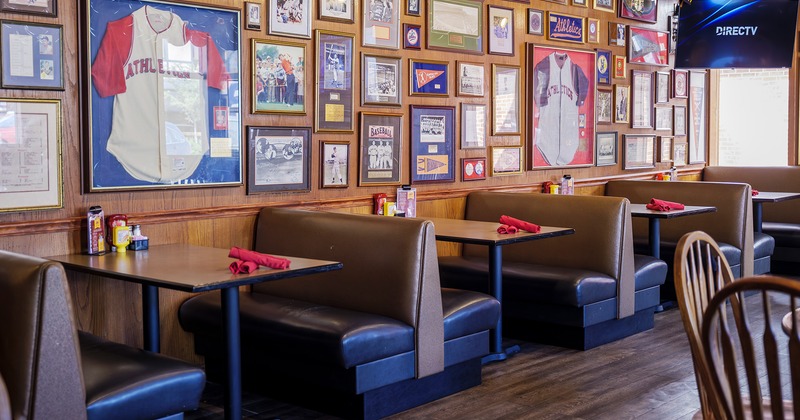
(37, 49)
(278, 159)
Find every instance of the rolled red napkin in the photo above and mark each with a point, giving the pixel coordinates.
(503, 229)
(663, 205)
(755, 191)
(242, 267)
(259, 258)
(520, 224)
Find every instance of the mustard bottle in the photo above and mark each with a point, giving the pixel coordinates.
(121, 237)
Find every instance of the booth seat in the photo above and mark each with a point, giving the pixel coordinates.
(377, 337)
(581, 290)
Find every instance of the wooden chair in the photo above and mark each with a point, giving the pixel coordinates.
(751, 359)
(700, 271)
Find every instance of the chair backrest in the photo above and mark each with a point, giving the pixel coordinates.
(700, 271)
(39, 350)
(753, 352)
(5, 404)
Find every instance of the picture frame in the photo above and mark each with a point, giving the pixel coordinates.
(603, 67)
(605, 5)
(432, 143)
(697, 117)
(412, 36)
(381, 82)
(278, 159)
(337, 10)
(641, 99)
(680, 83)
(253, 16)
(620, 67)
(473, 169)
(580, 3)
(665, 148)
(680, 152)
(663, 118)
(547, 148)
(679, 120)
(606, 148)
(377, 163)
(334, 82)
(473, 126)
(471, 79)
(506, 86)
(290, 18)
(535, 22)
(647, 46)
(334, 164)
(639, 151)
(567, 28)
(506, 160)
(197, 154)
(622, 103)
(617, 33)
(428, 77)
(412, 7)
(30, 7)
(380, 24)
(274, 90)
(443, 36)
(662, 87)
(605, 106)
(501, 30)
(564, 2)
(593, 30)
(30, 154)
(641, 10)
(32, 55)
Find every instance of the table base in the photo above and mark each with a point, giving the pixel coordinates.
(503, 355)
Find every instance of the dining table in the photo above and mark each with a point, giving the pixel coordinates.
(768, 197)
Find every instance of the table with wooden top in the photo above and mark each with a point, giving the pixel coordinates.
(768, 197)
(654, 221)
(190, 268)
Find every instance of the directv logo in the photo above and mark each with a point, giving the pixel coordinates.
(736, 30)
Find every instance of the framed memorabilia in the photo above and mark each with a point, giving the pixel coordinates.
(30, 154)
(412, 36)
(647, 46)
(433, 131)
(535, 22)
(278, 159)
(607, 148)
(412, 7)
(679, 121)
(380, 24)
(133, 125)
(506, 160)
(604, 106)
(473, 169)
(290, 18)
(335, 164)
(506, 85)
(470, 79)
(276, 67)
(639, 151)
(561, 125)
(680, 83)
(603, 67)
(697, 117)
(334, 82)
(253, 16)
(455, 25)
(605, 5)
(641, 10)
(619, 67)
(622, 95)
(564, 2)
(473, 126)
(501, 30)
(381, 83)
(428, 77)
(593, 31)
(337, 10)
(580, 3)
(381, 142)
(641, 99)
(665, 149)
(32, 56)
(662, 87)
(680, 153)
(567, 28)
(663, 115)
(617, 33)
(29, 7)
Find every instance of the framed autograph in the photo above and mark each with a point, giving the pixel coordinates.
(455, 25)
(473, 126)
(334, 164)
(337, 10)
(428, 77)
(30, 7)
(334, 82)
(380, 144)
(641, 10)
(641, 99)
(290, 18)
(380, 25)
(470, 79)
(276, 67)
(639, 151)
(506, 87)
(381, 82)
(433, 131)
(607, 148)
(501, 30)
(278, 159)
(647, 46)
(32, 56)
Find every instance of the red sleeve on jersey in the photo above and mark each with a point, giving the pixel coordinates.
(108, 72)
(216, 73)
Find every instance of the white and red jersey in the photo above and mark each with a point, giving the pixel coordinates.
(160, 71)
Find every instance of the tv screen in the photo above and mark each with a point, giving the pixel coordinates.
(736, 34)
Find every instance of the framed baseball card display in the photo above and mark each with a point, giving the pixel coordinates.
(290, 18)
(381, 141)
(697, 116)
(473, 126)
(680, 83)
(473, 169)
(561, 125)
(455, 25)
(278, 77)
(335, 164)
(506, 86)
(648, 47)
(381, 82)
(151, 123)
(641, 10)
(253, 17)
(334, 82)
(29, 7)
(428, 77)
(535, 22)
(433, 131)
(470, 79)
(337, 10)
(501, 30)
(32, 56)
(642, 99)
(506, 160)
(607, 148)
(639, 151)
(622, 100)
(278, 159)
(380, 25)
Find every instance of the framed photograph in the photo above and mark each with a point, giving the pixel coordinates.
(30, 154)
(580, 3)
(455, 25)
(639, 151)
(607, 148)
(593, 31)
(622, 95)
(290, 18)
(334, 82)
(663, 118)
(276, 67)
(603, 67)
(697, 116)
(620, 68)
(380, 24)
(470, 79)
(641, 10)
(278, 159)
(642, 99)
(337, 10)
(561, 119)
(501, 30)
(665, 149)
(428, 77)
(617, 33)
(32, 56)
(473, 169)
(680, 83)
(412, 7)
(679, 120)
(604, 106)
(647, 46)
(662, 87)
(29, 7)
(506, 86)
(433, 131)
(381, 142)
(604, 5)
(473, 126)
(140, 134)
(506, 160)
(412, 36)
(253, 16)
(381, 82)
(680, 153)
(335, 162)
(567, 28)
(535, 22)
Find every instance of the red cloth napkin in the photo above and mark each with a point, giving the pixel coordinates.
(259, 258)
(503, 229)
(242, 267)
(520, 224)
(663, 205)
(755, 191)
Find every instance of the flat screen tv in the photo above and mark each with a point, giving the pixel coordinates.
(736, 34)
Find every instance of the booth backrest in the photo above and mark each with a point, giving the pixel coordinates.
(390, 268)
(5, 404)
(763, 178)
